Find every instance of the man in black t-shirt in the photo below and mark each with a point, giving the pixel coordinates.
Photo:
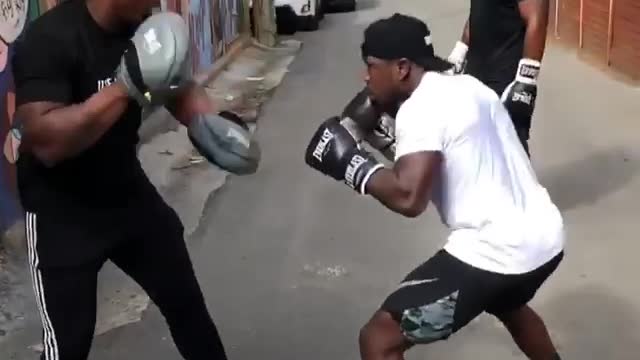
(86, 197)
(502, 45)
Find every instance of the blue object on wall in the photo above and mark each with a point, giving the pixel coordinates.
(200, 18)
(9, 208)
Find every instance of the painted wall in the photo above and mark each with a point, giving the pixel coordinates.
(214, 24)
(8, 202)
(14, 14)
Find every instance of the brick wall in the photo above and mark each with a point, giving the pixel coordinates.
(605, 31)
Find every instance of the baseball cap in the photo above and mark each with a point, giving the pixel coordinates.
(402, 36)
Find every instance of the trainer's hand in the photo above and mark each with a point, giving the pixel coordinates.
(156, 60)
(520, 96)
(224, 139)
(334, 152)
(458, 58)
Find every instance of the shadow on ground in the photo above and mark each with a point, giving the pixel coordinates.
(592, 322)
(590, 178)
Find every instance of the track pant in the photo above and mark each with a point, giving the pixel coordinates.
(158, 262)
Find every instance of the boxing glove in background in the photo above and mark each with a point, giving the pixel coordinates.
(520, 95)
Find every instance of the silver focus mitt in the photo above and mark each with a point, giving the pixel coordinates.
(225, 140)
(157, 61)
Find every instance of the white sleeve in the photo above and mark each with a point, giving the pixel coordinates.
(419, 127)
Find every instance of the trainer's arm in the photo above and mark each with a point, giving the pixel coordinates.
(54, 127)
(54, 132)
(465, 33)
(406, 187)
(535, 14)
(191, 100)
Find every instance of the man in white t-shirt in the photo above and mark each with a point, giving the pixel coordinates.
(457, 147)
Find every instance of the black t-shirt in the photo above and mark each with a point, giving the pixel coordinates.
(65, 57)
(496, 41)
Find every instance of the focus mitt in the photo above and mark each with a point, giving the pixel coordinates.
(224, 139)
(156, 62)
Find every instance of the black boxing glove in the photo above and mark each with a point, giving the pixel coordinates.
(520, 96)
(335, 152)
(367, 122)
(363, 113)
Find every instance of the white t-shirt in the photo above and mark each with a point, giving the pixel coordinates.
(501, 219)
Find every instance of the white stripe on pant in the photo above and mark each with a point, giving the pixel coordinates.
(50, 343)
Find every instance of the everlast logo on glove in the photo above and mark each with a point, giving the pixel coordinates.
(327, 136)
(352, 169)
(519, 97)
(334, 152)
(529, 71)
(523, 97)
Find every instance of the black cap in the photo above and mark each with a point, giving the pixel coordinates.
(402, 36)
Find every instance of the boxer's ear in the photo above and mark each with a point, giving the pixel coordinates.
(403, 69)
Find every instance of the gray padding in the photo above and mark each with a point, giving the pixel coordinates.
(225, 143)
(164, 65)
(162, 49)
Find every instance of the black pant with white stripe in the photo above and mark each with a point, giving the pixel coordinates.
(66, 255)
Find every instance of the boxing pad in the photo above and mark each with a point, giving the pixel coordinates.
(224, 139)
(156, 61)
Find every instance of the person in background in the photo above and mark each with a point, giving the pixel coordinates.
(502, 45)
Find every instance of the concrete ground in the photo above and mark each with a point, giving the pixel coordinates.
(292, 263)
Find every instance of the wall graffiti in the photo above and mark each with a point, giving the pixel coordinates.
(214, 24)
(230, 13)
(14, 17)
(9, 209)
(201, 34)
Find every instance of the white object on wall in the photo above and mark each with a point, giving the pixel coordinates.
(13, 15)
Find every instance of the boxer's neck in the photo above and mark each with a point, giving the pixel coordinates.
(412, 82)
(105, 14)
(415, 78)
